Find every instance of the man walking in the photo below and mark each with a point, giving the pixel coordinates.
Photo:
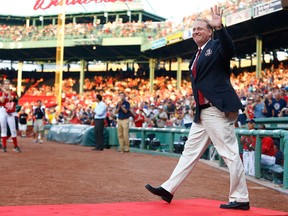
(217, 106)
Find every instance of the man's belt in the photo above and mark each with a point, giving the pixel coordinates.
(123, 118)
(205, 106)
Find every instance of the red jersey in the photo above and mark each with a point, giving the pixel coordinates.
(268, 146)
(248, 142)
(139, 119)
(250, 111)
(10, 106)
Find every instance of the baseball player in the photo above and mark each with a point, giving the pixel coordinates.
(7, 108)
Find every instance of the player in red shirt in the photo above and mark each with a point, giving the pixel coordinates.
(7, 115)
(268, 149)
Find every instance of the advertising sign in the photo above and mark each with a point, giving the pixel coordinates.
(267, 8)
(158, 43)
(174, 38)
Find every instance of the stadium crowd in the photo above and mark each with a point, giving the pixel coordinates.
(95, 30)
(266, 96)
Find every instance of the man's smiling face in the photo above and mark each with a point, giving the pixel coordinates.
(201, 32)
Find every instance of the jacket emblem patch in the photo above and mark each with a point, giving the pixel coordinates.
(208, 52)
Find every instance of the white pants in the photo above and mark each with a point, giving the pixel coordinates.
(249, 162)
(219, 129)
(7, 118)
(267, 160)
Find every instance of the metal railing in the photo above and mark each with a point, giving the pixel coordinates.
(259, 134)
(167, 136)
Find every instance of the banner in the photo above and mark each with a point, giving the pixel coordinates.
(67, 133)
(46, 4)
(81, 42)
(267, 8)
(158, 43)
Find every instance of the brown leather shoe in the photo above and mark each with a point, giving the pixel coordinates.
(159, 191)
(236, 205)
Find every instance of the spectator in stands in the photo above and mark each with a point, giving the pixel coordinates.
(74, 117)
(161, 118)
(249, 111)
(258, 107)
(90, 113)
(139, 118)
(39, 118)
(84, 118)
(284, 93)
(132, 116)
(175, 120)
(217, 106)
(148, 123)
(60, 118)
(278, 104)
(269, 109)
(123, 111)
(153, 112)
(111, 118)
(100, 113)
(283, 112)
(7, 119)
(170, 108)
(23, 116)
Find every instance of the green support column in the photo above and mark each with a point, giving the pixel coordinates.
(152, 74)
(143, 135)
(171, 141)
(81, 81)
(27, 22)
(258, 56)
(285, 175)
(239, 143)
(19, 79)
(140, 17)
(94, 20)
(179, 73)
(258, 149)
